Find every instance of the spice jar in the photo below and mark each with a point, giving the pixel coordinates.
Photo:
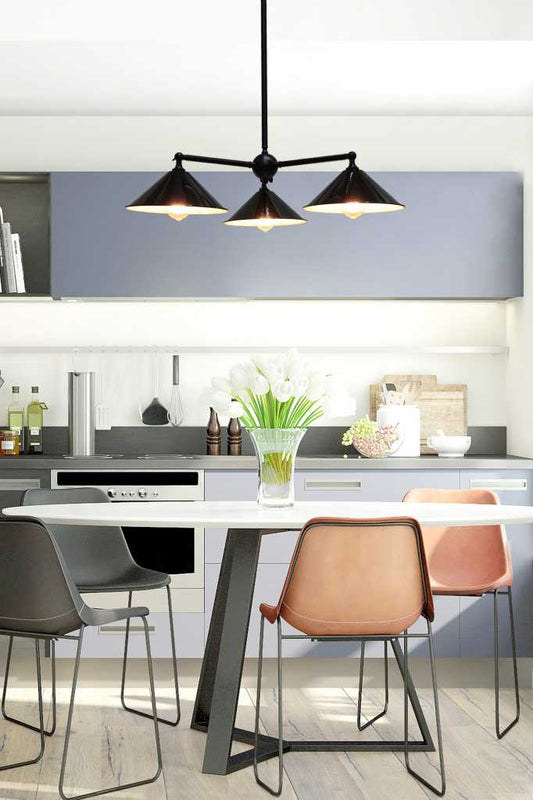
(9, 443)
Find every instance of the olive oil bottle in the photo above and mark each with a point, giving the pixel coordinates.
(35, 422)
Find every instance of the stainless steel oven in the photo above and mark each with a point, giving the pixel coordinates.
(178, 551)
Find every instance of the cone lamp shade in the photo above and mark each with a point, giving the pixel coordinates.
(353, 193)
(265, 210)
(177, 194)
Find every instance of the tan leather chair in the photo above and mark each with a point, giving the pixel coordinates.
(353, 580)
(472, 561)
(469, 562)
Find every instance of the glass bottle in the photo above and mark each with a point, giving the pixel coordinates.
(9, 443)
(35, 422)
(15, 416)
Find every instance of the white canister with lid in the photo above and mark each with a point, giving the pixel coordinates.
(407, 418)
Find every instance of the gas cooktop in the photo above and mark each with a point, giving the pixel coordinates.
(159, 456)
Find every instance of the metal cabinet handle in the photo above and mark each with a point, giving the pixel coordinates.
(500, 484)
(19, 484)
(332, 484)
(121, 629)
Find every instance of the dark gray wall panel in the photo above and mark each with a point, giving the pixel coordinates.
(25, 200)
(460, 236)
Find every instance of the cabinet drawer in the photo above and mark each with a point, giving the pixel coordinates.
(500, 484)
(513, 487)
(14, 482)
(370, 485)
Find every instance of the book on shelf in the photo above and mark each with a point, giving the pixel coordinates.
(9, 283)
(19, 269)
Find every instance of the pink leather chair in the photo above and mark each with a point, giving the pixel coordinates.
(469, 561)
(472, 561)
(353, 580)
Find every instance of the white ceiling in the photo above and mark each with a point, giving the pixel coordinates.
(202, 57)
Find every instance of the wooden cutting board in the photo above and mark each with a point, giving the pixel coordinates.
(441, 406)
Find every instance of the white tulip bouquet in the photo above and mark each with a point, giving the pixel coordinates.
(273, 391)
(277, 397)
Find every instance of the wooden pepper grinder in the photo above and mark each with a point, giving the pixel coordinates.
(214, 435)
(234, 437)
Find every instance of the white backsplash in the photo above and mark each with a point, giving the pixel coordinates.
(128, 379)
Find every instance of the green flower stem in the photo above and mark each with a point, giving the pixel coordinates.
(276, 468)
(264, 411)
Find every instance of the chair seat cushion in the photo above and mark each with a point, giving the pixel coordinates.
(104, 616)
(135, 579)
(452, 588)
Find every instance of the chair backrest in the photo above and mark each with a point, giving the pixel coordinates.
(94, 554)
(355, 577)
(37, 594)
(470, 557)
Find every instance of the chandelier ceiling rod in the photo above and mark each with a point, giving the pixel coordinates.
(232, 162)
(264, 78)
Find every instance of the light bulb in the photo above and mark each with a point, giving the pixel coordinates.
(178, 217)
(265, 228)
(353, 214)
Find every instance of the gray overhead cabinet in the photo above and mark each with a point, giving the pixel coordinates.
(460, 236)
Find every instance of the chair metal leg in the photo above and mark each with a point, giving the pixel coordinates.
(27, 725)
(172, 722)
(362, 726)
(501, 733)
(40, 729)
(69, 727)
(274, 792)
(438, 791)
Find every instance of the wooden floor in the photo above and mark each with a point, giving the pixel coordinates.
(110, 745)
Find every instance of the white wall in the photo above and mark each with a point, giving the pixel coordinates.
(129, 378)
(383, 143)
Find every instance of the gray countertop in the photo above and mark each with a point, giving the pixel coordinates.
(249, 462)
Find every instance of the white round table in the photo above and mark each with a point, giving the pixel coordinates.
(248, 514)
(218, 690)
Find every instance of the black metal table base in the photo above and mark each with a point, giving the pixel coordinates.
(268, 747)
(217, 698)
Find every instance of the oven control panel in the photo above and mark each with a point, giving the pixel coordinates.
(135, 485)
(142, 493)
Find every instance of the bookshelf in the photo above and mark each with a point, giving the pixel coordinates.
(25, 201)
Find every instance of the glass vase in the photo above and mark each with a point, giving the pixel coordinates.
(276, 453)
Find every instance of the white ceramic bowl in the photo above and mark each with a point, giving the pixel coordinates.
(450, 446)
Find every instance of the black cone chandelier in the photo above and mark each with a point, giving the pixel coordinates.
(179, 195)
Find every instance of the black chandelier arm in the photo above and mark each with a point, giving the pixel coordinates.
(264, 78)
(300, 162)
(227, 162)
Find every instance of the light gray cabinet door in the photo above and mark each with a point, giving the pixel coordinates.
(14, 482)
(513, 488)
(108, 641)
(459, 236)
(225, 485)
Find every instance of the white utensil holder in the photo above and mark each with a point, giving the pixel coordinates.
(407, 418)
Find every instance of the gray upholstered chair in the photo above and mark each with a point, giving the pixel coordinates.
(99, 561)
(39, 600)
